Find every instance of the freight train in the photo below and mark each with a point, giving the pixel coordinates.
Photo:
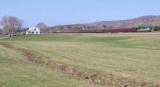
(139, 29)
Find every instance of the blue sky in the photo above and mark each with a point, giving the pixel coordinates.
(62, 12)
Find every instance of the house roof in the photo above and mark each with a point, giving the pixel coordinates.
(33, 29)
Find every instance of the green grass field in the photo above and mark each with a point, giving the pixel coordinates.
(132, 57)
(16, 71)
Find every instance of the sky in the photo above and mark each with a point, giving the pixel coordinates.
(63, 12)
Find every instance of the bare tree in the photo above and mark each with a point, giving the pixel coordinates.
(5, 30)
(41, 25)
(1, 32)
(20, 24)
(11, 24)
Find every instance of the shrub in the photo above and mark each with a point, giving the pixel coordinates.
(157, 28)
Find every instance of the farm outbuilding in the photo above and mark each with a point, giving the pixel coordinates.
(33, 30)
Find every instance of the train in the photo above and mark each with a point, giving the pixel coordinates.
(138, 29)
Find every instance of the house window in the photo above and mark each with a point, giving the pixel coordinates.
(29, 32)
(37, 32)
(32, 32)
(35, 29)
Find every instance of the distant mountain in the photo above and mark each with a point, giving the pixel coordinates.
(146, 21)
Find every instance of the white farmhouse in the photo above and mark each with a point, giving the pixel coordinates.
(33, 30)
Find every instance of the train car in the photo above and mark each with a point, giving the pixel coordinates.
(120, 30)
(99, 31)
(71, 32)
(62, 31)
(53, 32)
(92, 31)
